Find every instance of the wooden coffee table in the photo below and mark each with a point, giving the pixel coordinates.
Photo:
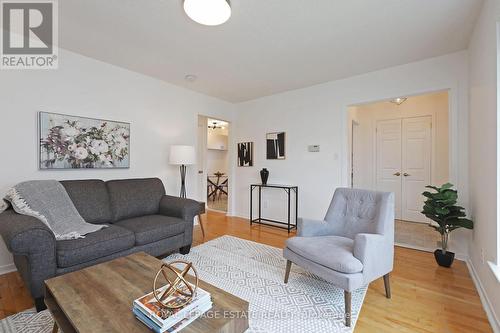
(99, 299)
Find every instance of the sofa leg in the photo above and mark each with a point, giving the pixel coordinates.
(185, 249)
(40, 304)
(387, 285)
(287, 271)
(347, 304)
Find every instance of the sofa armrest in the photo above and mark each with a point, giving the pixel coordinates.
(311, 228)
(185, 209)
(33, 245)
(376, 253)
(24, 234)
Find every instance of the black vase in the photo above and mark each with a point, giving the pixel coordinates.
(444, 259)
(264, 174)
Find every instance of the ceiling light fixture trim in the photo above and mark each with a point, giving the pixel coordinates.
(208, 12)
(190, 77)
(399, 100)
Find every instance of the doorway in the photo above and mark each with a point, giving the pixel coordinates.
(401, 146)
(213, 155)
(403, 163)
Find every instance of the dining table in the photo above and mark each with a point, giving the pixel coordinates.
(216, 185)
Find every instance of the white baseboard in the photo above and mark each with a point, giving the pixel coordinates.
(414, 247)
(7, 268)
(458, 256)
(243, 216)
(488, 308)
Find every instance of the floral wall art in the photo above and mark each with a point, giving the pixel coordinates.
(70, 142)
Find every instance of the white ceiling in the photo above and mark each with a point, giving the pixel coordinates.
(267, 46)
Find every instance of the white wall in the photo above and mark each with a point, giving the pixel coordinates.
(434, 105)
(160, 115)
(217, 154)
(318, 115)
(217, 161)
(483, 125)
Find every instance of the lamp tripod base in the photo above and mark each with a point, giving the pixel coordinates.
(183, 181)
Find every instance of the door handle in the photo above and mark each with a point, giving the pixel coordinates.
(397, 174)
(406, 174)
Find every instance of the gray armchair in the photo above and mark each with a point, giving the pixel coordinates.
(353, 246)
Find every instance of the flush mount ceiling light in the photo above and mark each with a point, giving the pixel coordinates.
(190, 77)
(208, 12)
(399, 100)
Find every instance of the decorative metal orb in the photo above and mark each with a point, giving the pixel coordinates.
(175, 286)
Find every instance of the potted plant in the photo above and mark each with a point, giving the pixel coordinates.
(440, 206)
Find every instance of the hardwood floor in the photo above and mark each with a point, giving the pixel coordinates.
(425, 297)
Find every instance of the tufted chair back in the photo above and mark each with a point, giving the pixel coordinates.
(354, 211)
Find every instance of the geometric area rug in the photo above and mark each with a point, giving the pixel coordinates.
(253, 272)
(28, 321)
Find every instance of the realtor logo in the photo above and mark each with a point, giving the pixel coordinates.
(29, 34)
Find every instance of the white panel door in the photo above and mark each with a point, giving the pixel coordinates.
(388, 159)
(416, 165)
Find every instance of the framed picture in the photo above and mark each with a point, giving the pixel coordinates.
(245, 154)
(275, 146)
(70, 142)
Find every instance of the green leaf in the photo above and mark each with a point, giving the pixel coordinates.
(447, 186)
(465, 223)
(442, 211)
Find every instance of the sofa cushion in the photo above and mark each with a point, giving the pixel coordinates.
(152, 228)
(334, 252)
(135, 197)
(90, 198)
(95, 245)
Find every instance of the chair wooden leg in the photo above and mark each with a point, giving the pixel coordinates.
(387, 285)
(55, 329)
(201, 225)
(287, 271)
(347, 303)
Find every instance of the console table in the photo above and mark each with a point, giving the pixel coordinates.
(260, 220)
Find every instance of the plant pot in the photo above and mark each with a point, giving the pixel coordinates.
(444, 259)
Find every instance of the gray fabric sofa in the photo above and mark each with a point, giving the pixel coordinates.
(139, 215)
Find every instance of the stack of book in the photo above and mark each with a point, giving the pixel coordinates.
(160, 319)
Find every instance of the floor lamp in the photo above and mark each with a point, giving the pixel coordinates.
(182, 156)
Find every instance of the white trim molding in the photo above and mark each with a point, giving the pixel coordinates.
(7, 269)
(458, 256)
(495, 269)
(488, 308)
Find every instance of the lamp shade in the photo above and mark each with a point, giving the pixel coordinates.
(182, 155)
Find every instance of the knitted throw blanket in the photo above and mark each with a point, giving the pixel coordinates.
(48, 201)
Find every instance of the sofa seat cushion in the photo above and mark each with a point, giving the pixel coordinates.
(95, 245)
(152, 228)
(333, 252)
